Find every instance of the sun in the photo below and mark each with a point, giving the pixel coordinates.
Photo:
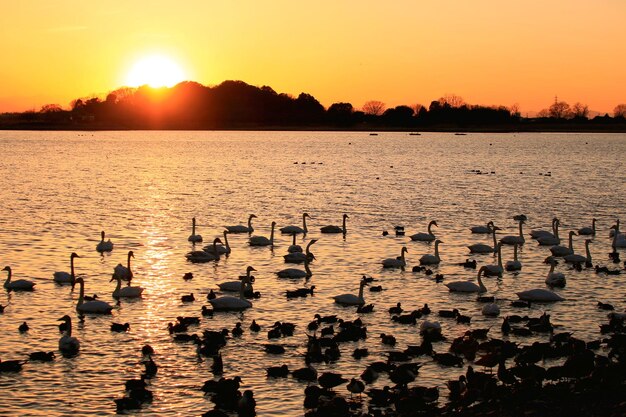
(155, 71)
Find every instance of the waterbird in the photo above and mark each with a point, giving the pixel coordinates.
(242, 228)
(68, 345)
(62, 277)
(17, 285)
(336, 229)
(262, 240)
(103, 246)
(93, 307)
(351, 299)
(296, 229)
(430, 259)
(426, 237)
(194, 238)
(468, 286)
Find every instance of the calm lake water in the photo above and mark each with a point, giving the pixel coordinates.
(58, 190)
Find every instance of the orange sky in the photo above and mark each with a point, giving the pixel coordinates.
(398, 52)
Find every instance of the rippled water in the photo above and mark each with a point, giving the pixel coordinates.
(60, 189)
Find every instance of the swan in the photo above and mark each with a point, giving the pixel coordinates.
(614, 229)
(576, 258)
(236, 285)
(294, 247)
(262, 240)
(95, 306)
(619, 239)
(426, 237)
(221, 249)
(536, 234)
(482, 229)
(429, 259)
(66, 277)
(351, 299)
(297, 257)
(124, 272)
(515, 264)
(553, 239)
(297, 229)
(126, 292)
(560, 250)
(68, 345)
(468, 286)
(103, 246)
(230, 303)
(588, 231)
(199, 256)
(296, 273)
(398, 262)
(336, 229)
(539, 294)
(555, 279)
(495, 269)
(18, 285)
(481, 247)
(241, 228)
(519, 239)
(194, 237)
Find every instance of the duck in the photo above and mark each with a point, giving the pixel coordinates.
(297, 257)
(399, 262)
(41, 356)
(483, 248)
(236, 285)
(241, 228)
(17, 285)
(93, 307)
(103, 246)
(66, 277)
(482, 229)
(588, 231)
(124, 272)
(396, 310)
(194, 238)
(468, 286)
(426, 237)
(576, 258)
(519, 239)
(351, 299)
(262, 240)
(429, 259)
(221, 248)
(495, 269)
(336, 229)
(555, 279)
(296, 229)
(23, 327)
(120, 327)
(536, 234)
(296, 273)
(553, 238)
(560, 250)
(68, 345)
(230, 303)
(539, 294)
(126, 292)
(515, 264)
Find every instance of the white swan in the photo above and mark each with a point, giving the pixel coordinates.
(293, 248)
(336, 229)
(491, 310)
(555, 279)
(297, 229)
(495, 269)
(536, 234)
(519, 239)
(68, 345)
(262, 240)
(515, 264)
(553, 239)
(482, 229)
(468, 286)
(399, 262)
(560, 250)
(351, 299)
(194, 237)
(619, 239)
(126, 292)
(539, 294)
(296, 273)
(221, 249)
(297, 257)
(429, 259)
(241, 228)
(588, 231)
(576, 258)
(426, 237)
(199, 256)
(481, 247)
(66, 277)
(236, 285)
(17, 285)
(614, 229)
(95, 306)
(230, 303)
(103, 246)
(124, 272)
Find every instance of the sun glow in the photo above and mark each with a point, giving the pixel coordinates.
(155, 71)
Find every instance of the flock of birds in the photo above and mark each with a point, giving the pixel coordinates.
(322, 399)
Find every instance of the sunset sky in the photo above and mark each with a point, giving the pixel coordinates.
(398, 52)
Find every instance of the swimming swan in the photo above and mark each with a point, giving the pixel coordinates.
(199, 256)
(619, 239)
(103, 246)
(230, 303)
(236, 285)
(17, 285)
(68, 345)
(468, 286)
(66, 277)
(429, 259)
(262, 240)
(426, 237)
(536, 234)
(481, 247)
(519, 239)
(297, 229)
(560, 250)
(555, 279)
(221, 249)
(588, 231)
(95, 306)
(495, 269)
(515, 264)
(399, 262)
(241, 228)
(124, 272)
(294, 247)
(553, 239)
(194, 237)
(126, 292)
(296, 273)
(539, 294)
(336, 229)
(482, 229)
(576, 258)
(297, 257)
(351, 299)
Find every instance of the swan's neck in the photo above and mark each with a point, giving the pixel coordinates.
(304, 224)
(556, 229)
(571, 242)
(102, 237)
(402, 255)
(68, 327)
(551, 269)
(588, 251)
(436, 250)
(521, 234)
(515, 253)
(344, 225)
(593, 225)
(480, 282)
(128, 263)
(361, 290)
(118, 287)
(250, 223)
(430, 226)
(307, 269)
(500, 256)
(8, 280)
(293, 242)
(272, 236)
(81, 295)
(226, 240)
(193, 227)
(495, 242)
(73, 277)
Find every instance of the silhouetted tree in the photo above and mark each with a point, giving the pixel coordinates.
(620, 111)
(374, 108)
(50, 108)
(399, 116)
(340, 114)
(559, 110)
(580, 111)
(452, 100)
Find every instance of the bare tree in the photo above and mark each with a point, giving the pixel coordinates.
(50, 108)
(451, 100)
(543, 113)
(559, 110)
(417, 108)
(514, 110)
(620, 111)
(374, 107)
(580, 110)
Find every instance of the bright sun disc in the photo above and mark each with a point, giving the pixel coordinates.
(155, 71)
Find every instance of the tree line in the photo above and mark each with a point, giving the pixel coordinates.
(237, 105)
